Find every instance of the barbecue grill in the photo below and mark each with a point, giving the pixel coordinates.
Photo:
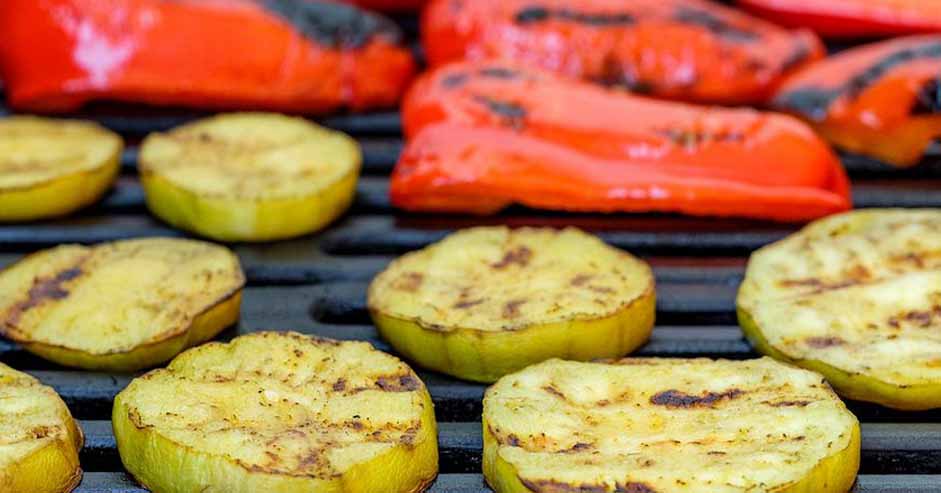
(317, 285)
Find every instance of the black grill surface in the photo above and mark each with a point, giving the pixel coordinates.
(317, 285)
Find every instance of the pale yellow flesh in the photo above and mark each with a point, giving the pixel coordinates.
(50, 167)
(856, 297)
(279, 412)
(485, 302)
(249, 176)
(39, 440)
(120, 306)
(661, 425)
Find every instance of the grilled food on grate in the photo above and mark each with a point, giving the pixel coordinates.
(249, 176)
(485, 302)
(881, 100)
(279, 413)
(856, 297)
(662, 425)
(39, 440)
(53, 167)
(680, 49)
(120, 306)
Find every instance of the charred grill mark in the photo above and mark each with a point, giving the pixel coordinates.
(928, 101)
(788, 403)
(452, 81)
(676, 399)
(581, 280)
(398, 383)
(43, 290)
(513, 115)
(819, 285)
(815, 102)
(552, 486)
(824, 342)
(554, 391)
(920, 318)
(512, 308)
(519, 256)
(715, 24)
(798, 56)
(465, 304)
(513, 440)
(334, 25)
(339, 385)
(536, 14)
(692, 139)
(410, 282)
(499, 73)
(580, 447)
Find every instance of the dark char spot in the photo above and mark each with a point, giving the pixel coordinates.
(718, 26)
(519, 256)
(513, 114)
(399, 383)
(334, 25)
(536, 14)
(676, 399)
(43, 290)
(928, 101)
(499, 73)
(454, 80)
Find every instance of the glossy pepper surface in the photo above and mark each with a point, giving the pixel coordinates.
(882, 100)
(286, 55)
(484, 135)
(679, 49)
(852, 18)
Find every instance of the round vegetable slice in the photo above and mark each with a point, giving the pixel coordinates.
(39, 440)
(53, 167)
(249, 176)
(120, 306)
(489, 301)
(856, 297)
(662, 425)
(279, 413)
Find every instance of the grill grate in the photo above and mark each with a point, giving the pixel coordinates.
(317, 285)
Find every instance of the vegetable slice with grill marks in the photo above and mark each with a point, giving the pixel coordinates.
(39, 440)
(279, 412)
(120, 306)
(249, 176)
(488, 301)
(856, 297)
(53, 167)
(668, 426)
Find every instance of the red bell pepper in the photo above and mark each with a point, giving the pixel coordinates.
(882, 100)
(285, 55)
(679, 49)
(389, 5)
(484, 135)
(853, 18)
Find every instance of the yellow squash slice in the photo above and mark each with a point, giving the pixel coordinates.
(279, 413)
(52, 167)
(39, 440)
(249, 176)
(489, 301)
(668, 426)
(120, 306)
(856, 297)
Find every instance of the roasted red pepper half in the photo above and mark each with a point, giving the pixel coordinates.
(484, 135)
(389, 5)
(286, 55)
(853, 18)
(882, 100)
(679, 49)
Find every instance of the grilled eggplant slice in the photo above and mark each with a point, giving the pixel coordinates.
(120, 306)
(279, 413)
(39, 440)
(661, 425)
(489, 301)
(53, 167)
(856, 297)
(249, 176)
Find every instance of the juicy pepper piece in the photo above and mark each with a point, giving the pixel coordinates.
(852, 18)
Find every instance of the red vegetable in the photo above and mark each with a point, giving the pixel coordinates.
(881, 100)
(486, 135)
(682, 49)
(853, 18)
(389, 5)
(287, 55)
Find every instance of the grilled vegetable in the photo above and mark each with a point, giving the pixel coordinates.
(856, 297)
(285, 55)
(683, 49)
(53, 167)
(389, 5)
(881, 100)
(852, 18)
(279, 413)
(486, 135)
(120, 306)
(652, 426)
(489, 301)
(39, 440)
(249, 176)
